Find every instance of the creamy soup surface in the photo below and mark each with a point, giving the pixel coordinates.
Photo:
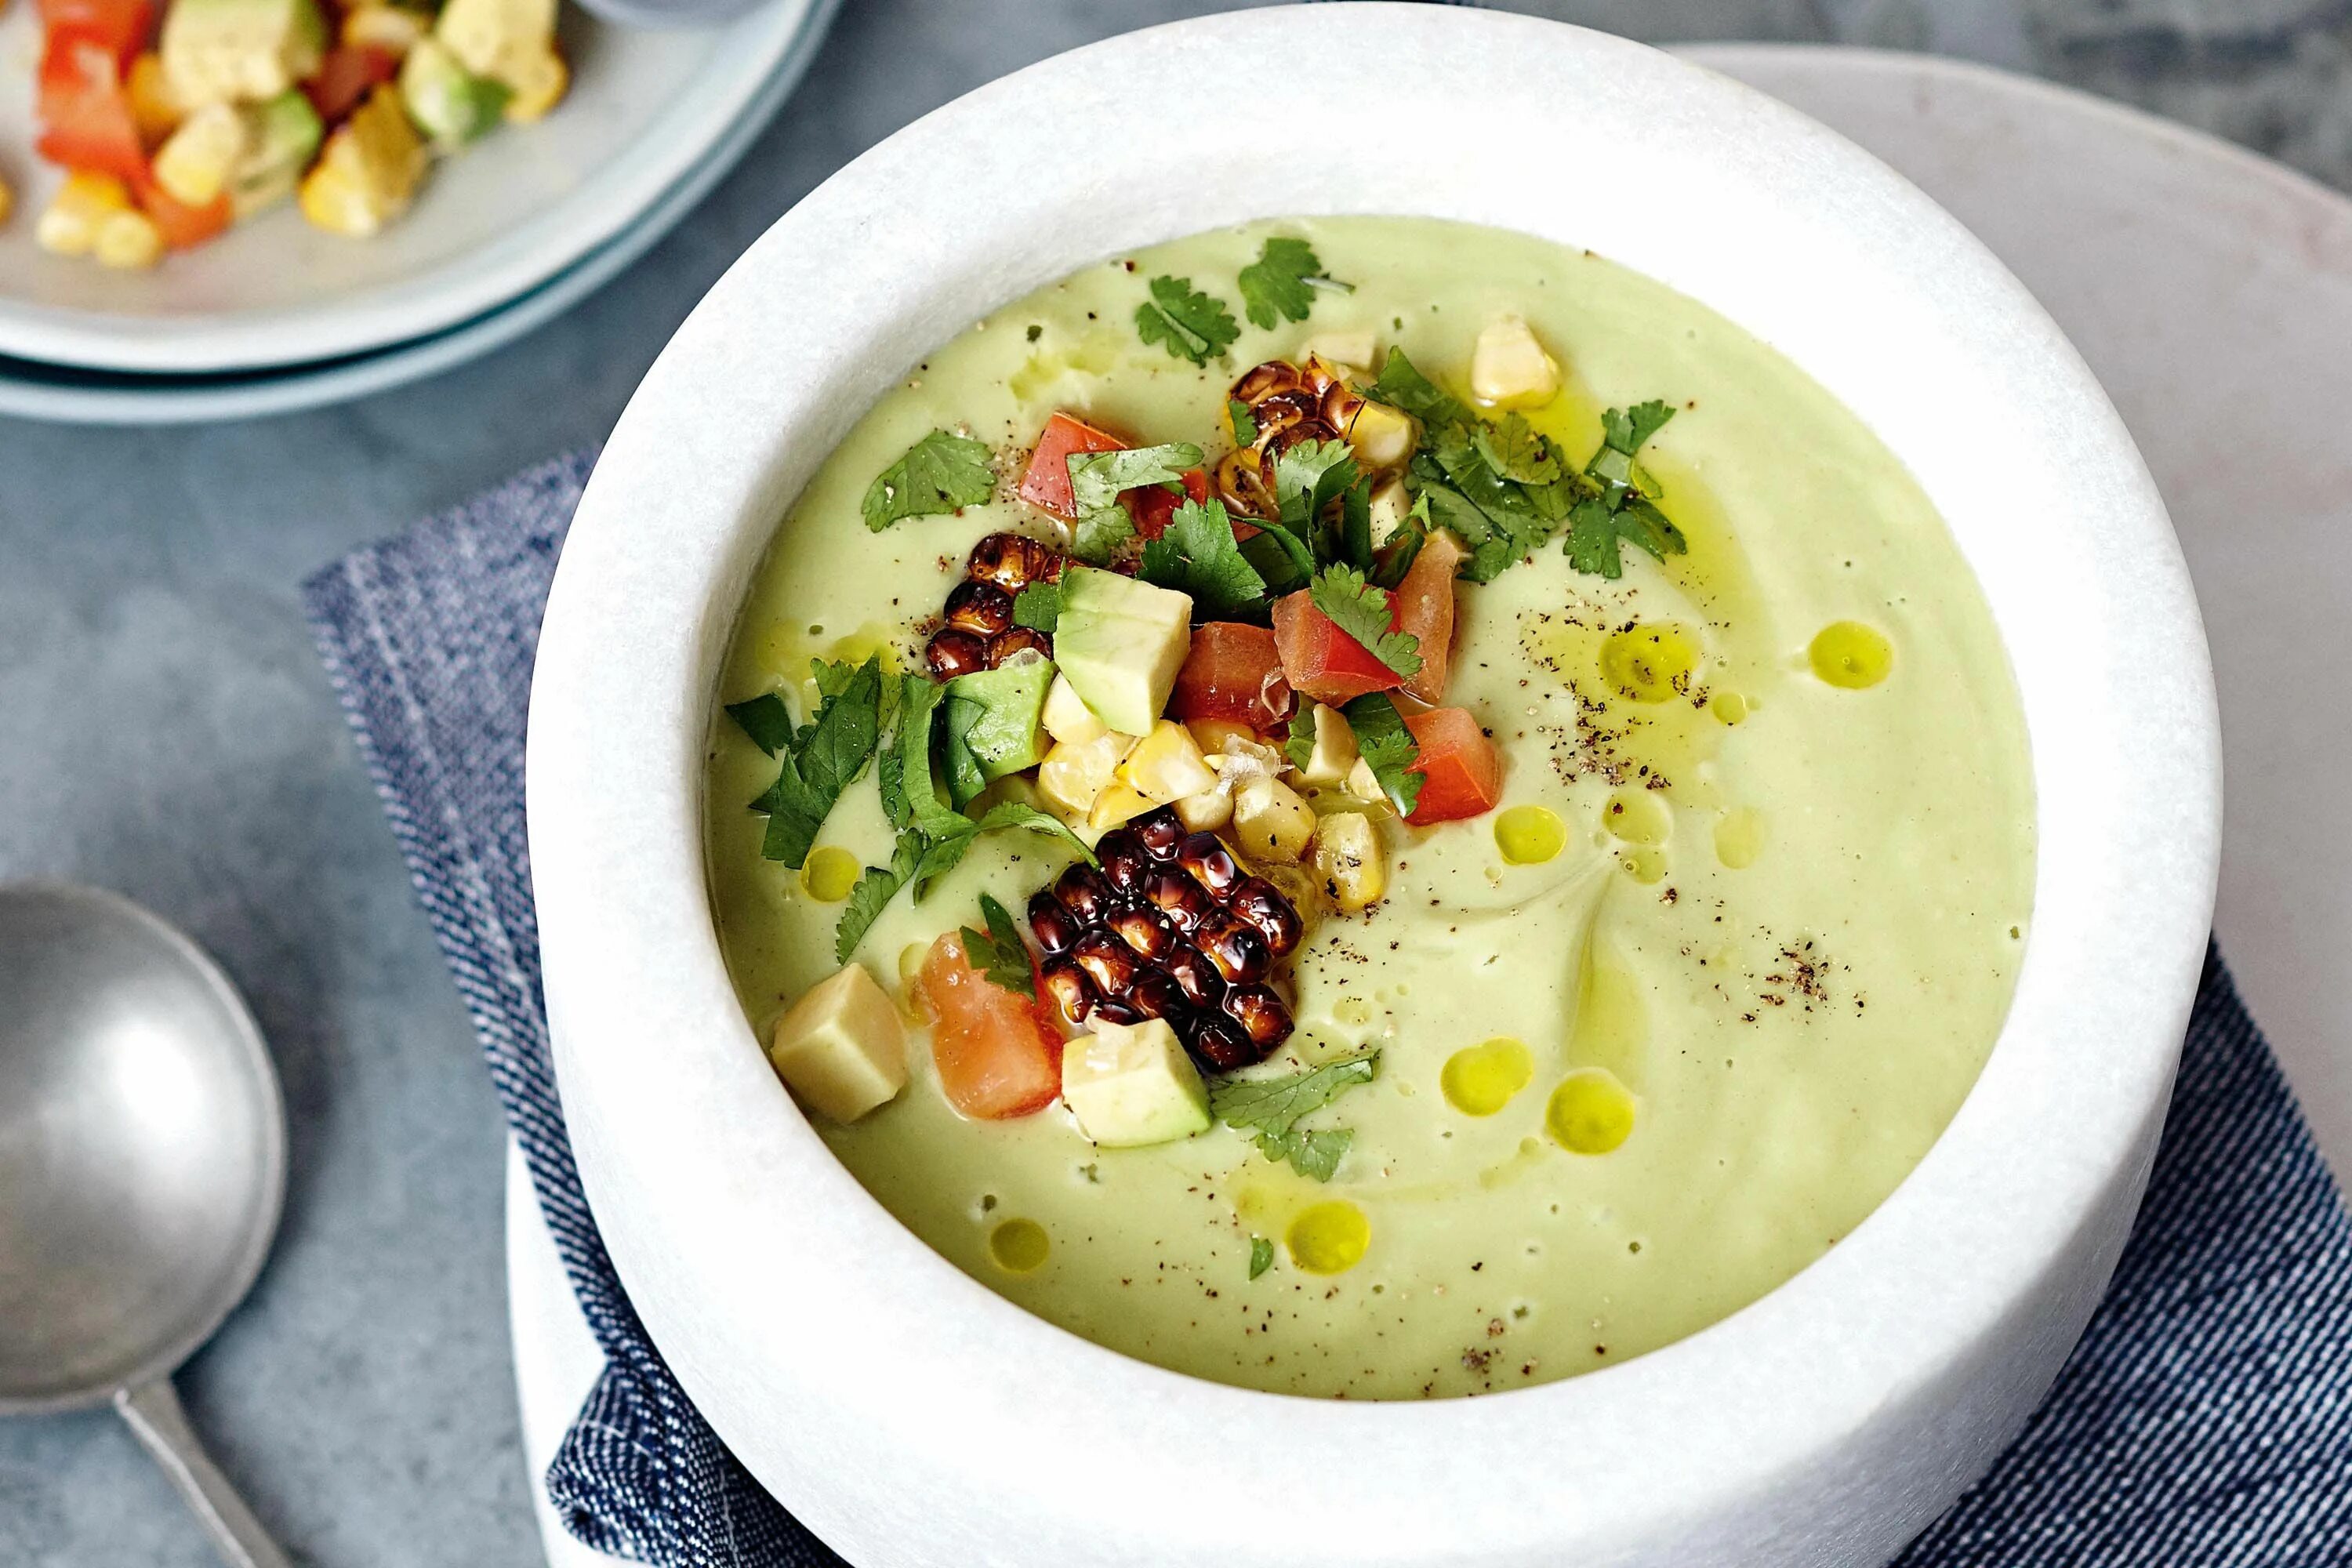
(1643, 1053)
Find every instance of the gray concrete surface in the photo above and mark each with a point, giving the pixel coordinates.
(165, 730)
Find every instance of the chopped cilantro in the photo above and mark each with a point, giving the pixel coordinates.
(1395, 558)
(873, 895)
(766, 720)
(1361, 609)
(1299, 745)
(926, 811)
(999, 953)
(965, 777)
(1199, 555)
(1189, 324)
(1261, 1255)
(1104, 529)
(1515, 452)
(1281, 283)
(1401, 385)
(1038, 607)
(1270, 1110)
(1310, 476)
(821, 761)
(1388, 748)
(1244, 422)
(940, 473)
(1619, 509)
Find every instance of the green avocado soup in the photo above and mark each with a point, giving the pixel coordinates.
(1654, 1031)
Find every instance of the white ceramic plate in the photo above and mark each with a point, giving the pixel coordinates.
(645, 109)
(92, 397)
(2156, 247)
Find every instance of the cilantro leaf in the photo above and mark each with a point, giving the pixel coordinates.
(1627, 430)
(999, 953)
(1097, 477)
(1189, 324)
(1102, 537)
(1310, 476)
(1401, 385)
(873, 894)
(766, 720)
(1395, 558)
(940, 473)
(1278, 554)
(1361, 609)
(1616, 511)
(820, 763)
(1299, 745)
(1038, 607)
(1199, 555)
(1261, 1255)
(1244, 422)
(1271, 1109)
(1281, 283)
(1388, 748)
(944, 853)
(1515, 452)
(917, 713)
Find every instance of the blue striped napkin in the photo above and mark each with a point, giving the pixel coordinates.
(2204, 1422)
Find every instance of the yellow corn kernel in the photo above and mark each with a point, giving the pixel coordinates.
(1205, 812)
(1347, 857)
(1270, 822)
(1509, 369)
(71, 224)
(392, 28)
(1117, 804)
(1211, 734)
(8, 196)
(155, 108)
(1067, 717)
(1383, 437)
(1392, 504)
(1353, 349)
(541, 86)
(502, 39)
(1334, 751)
(370, 169)
(195, 165)
(1072, 775)
(1167, 765)
(129, 241)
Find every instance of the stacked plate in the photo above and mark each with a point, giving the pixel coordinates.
(277, 315)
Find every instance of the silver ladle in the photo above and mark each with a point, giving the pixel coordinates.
(142, 1167)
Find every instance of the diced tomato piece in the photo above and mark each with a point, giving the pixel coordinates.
(123, 26)
(1461, 773)
(1320, 659)
(1155, 508)
(1231, 672)
(86, 118)
(345, 77)
(1424, 606)
(183, 227)
(998, 1053)
(1047, 481)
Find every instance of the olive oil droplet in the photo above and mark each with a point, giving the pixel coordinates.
(1589, 1112)
(1529, 834)
(1850, 655)
(1740, 837)
(829, 873)
(1650, 663)
(1479, 1080)
(1019, 1245)
(1637, 816)
(1330, 1238)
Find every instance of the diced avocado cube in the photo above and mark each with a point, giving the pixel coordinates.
(1120, 642)
(1132, 1084)
(449, 103)
(506, 40)
(229, 51)
(280, 137)
(841, 1047)
(1006, 734)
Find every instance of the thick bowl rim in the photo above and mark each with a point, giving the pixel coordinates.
(2003, 1221)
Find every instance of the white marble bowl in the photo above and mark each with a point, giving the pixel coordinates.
(911, 1416)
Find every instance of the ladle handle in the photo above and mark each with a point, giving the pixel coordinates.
(152, 1410)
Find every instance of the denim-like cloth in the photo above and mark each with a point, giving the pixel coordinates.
(2204, 1422)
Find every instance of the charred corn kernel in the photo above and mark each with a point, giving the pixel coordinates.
(1382, 437)
(541, 86)
(1270, 822)
(194, 164)
(1067, 717)
(1074, 775)
(369, 170)
(1348, 856)
(1347, 350)
(1509, 369)
(1119, 803)
(155, 108)
(392, 28)
(129, 241)
(1334, 750)
(1167, 765)
(69, 225)
(1205, 812)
